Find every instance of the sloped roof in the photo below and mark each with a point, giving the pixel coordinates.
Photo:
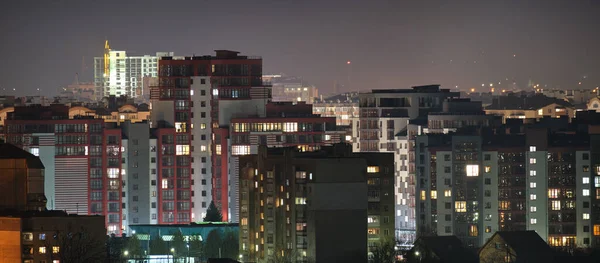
(528, 246)
(9, 151)
(448, 248)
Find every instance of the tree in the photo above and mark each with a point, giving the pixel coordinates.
(196, 246)
(134, 248)
(213, 214)
(158, 246)
(213, 244)
(230, 245)
(384, 251)
(178, 243)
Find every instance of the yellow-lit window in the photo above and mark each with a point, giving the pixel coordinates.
(596, 230)
(433, 194)
(182, 150)
(423, 195)
(555, 205)
(244, 221)
(460, 206)
(447, 193)
(504, 205)
(373, 231)
(42, 250)
(472, 170)
(165, 183)
(218, 149)
(553, 193)
(473, 231)
(488, 169)
(55, 249)
(373, 169)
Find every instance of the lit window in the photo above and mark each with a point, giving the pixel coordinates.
(35, 151)
(533, 221)
(586, 180)
(586, 169)
(532, 185)
(218, 149)
(487, 169)
(553, 193)
(215, 92)
(290, 127)
(27, 237)
(182, 149)
(373, 169)
(42, 236)
(597, 181)
(327, 137)
(473, 231)
(55, 249)
(433, 194)
(532, 173)
(165, 183)
(586, 216)
(532, 197)
(348, 138)
(203, 148)
(555, 205)
(113, 172)
(460, 206)
(300, 200)
(42, 250)
(472, 170)
(586, 192)
(447, 193)
(596, 230)
(532, 160)
(423, 195)
(532, 148)
(533, 209)
(202, 126)
(240, 149)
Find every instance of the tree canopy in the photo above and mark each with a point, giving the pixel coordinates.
(213, 214)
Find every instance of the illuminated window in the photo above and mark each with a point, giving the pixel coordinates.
(165, 183)
(555, 205)
(327, 137)
(597, 181)
(373, 231)
(553, 193)
(533, 221)
(586, 192)
(55, 249)
(532, 148)
(218, 149)
(532, 160)
(423, 195)
(473, 231)
(202, 126)
(586, 168)
(42, 250)
(348, 138)
(532, 185)
(112, 172)
(372, 219)
(488, 229)
(532, 173)
(532, 197)
(182, 150)
(300, 200)
(447, 193)
(433, 194)
(203, 148)
(596, 230)
(533, 209)
(487, 169)
(472, 170)
(42, 236)
(504, 205)
(586, 216)
(585, 180)
(460, 206)
(373, 169)
(35, 151)
(290, 127)
(240, 149)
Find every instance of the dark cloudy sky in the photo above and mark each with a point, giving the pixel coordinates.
(392, 44)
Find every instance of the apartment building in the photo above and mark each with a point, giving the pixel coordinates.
(473, 184)
(82, 159)
(298, 205)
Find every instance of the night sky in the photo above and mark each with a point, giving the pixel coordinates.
(392, 44)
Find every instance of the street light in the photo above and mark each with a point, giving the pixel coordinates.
(173, 255)
(126, 253)
(241, 256)
(188, 255)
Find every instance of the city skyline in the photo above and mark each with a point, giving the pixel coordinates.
(390, 45)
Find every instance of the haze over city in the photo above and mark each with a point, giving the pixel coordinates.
(391, 44)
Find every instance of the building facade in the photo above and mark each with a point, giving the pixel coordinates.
(288, 209)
